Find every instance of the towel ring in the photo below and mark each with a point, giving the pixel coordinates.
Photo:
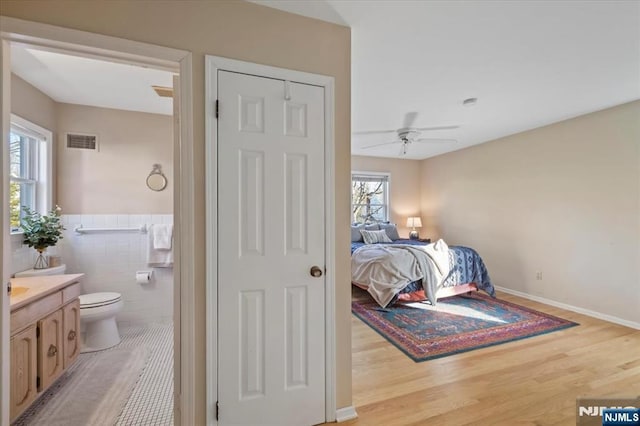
(156, 181)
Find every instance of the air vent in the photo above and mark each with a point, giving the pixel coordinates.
(82, 141)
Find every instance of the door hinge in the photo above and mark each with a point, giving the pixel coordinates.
(217, 108)
(217, 410)
(9, 288)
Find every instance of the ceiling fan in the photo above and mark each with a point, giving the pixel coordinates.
(409, 134)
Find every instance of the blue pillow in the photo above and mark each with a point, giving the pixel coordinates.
(391, 230)
(356, 236)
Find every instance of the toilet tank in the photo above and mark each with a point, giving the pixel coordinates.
(56, 270)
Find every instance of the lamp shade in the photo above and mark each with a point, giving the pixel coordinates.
(414, 222)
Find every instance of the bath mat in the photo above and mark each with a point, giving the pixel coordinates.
(94, 394)
(456, 324)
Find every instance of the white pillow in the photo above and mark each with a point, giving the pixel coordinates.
(374, 237)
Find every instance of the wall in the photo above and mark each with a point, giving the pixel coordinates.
(404, 187)
(249, 32)
(110, 261)
(88, 182)
(562, 199)
(33, 105)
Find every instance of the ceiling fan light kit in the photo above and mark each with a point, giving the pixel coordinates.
(409, 134)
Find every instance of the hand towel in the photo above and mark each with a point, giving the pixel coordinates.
(162, 236)
(158, 258)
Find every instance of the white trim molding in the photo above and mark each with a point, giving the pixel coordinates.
(89, 45)
(85, 44)
(5, 107)
(184, 202)
(44, 185)
(572, 308)
(346, 413)
(387, 192)
(212, 65)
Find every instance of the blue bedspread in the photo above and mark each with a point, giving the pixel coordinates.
(465, 263)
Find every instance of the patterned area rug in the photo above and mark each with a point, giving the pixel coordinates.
(456, 324)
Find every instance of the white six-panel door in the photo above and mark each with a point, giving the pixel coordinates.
(271, 233)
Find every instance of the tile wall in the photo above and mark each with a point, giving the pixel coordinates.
(109, 261)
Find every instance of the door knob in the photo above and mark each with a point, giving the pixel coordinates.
(315, 271)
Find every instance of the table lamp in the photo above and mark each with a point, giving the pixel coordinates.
(413, 223)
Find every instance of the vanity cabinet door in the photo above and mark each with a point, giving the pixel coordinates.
(24, 354)
(71, 335)
(50, 349)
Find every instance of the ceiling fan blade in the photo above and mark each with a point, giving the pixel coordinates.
(409, 119)
(435, 140)
(379, 144)
(373, 132)
(422, 129)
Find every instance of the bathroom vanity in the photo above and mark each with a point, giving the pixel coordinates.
(45, 334)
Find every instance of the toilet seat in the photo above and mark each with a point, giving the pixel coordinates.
(95, 300)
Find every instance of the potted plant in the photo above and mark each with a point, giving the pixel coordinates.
(41, 231)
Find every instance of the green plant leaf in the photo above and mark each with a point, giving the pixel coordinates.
(41, 231)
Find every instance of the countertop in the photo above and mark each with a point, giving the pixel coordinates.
(38, 287)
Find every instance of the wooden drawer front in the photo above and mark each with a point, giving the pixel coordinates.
(71, 336)
(24, 354)
(50, 349)
(34, 311)
(71, 292)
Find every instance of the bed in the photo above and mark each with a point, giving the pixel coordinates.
(393, 271)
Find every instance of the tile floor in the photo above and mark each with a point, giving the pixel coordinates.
(151, 401)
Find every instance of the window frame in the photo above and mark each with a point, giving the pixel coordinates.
(386, 193)
(41, 174)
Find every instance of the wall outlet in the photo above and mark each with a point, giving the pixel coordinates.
(538, 275)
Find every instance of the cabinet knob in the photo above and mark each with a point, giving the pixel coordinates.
(71, 335)
(53, 350)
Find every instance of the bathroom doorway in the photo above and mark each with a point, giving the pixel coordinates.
(110, 255)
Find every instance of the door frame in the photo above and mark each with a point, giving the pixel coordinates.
(116, 49)
(212, 65)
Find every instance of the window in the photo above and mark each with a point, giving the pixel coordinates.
(369, 197)
(29, 169)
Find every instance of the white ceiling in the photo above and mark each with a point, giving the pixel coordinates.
(529, 63)
(84, 81)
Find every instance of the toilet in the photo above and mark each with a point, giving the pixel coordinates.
(98, 320)
(97, 314)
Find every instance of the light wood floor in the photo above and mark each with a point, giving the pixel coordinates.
(533, 381)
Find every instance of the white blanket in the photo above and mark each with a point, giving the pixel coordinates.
(387, 269)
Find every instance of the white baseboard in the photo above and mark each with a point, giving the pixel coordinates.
(583, 311)
(346, 413)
